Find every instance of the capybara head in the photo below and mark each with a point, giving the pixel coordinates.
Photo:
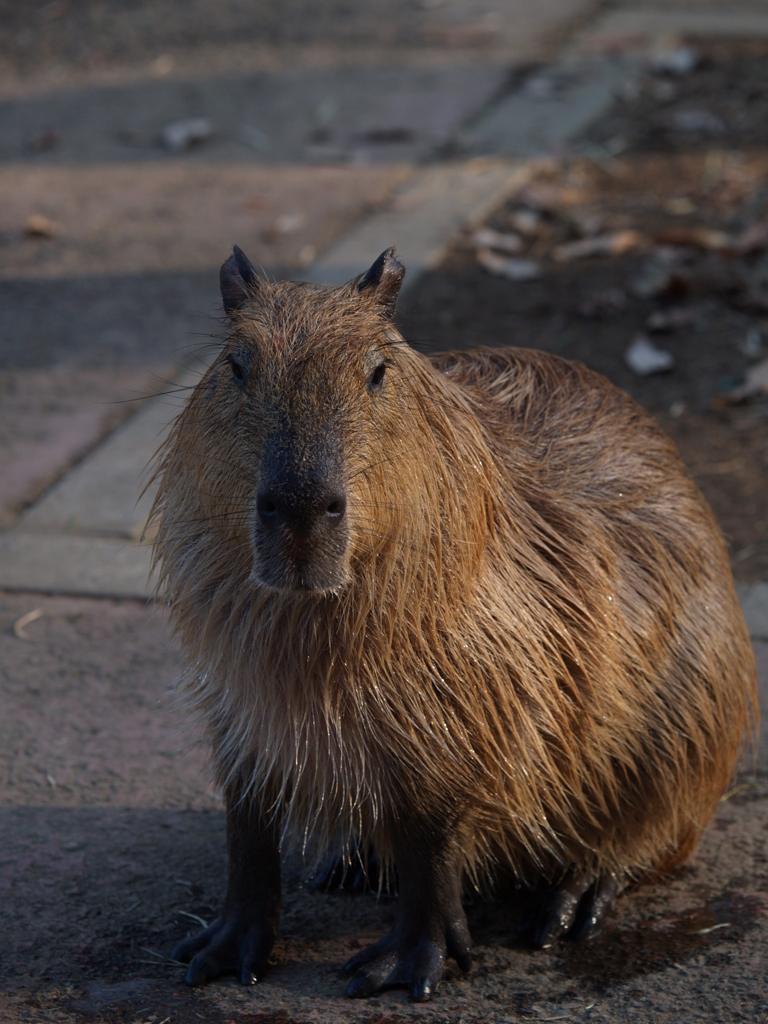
(303, 432)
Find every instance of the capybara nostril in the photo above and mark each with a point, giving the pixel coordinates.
(337, 507)
(266, 507)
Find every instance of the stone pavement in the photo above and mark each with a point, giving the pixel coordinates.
(320, 157)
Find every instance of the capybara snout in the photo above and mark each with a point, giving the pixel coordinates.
(300, 528)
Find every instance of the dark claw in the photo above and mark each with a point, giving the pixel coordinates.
(423, 989)
(594, 908)
(419, 970)
(368, 981)
(577, 907)
(205, 966)
(459, 944)
(186, 950)
(559, 912)
(430, 965)
(226, 946)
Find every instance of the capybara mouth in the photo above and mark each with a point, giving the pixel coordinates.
(304, 581)
(287, 566)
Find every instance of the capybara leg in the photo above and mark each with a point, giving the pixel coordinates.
(356, 870)
(430, 926)
(576, 906)
(241, 940)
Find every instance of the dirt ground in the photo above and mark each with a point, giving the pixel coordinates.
(112, 843)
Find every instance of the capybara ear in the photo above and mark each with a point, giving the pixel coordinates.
(238, 280)
(383, 280)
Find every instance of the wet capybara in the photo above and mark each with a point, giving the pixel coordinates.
(467, 609)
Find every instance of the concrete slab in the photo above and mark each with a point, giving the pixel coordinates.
(754, 603)
(422, 218)
(60, 564)
(552, 108)
(639, 27)
(317, 115)
(50, 419)
(84, 535)
(152, 217)
(74, 45)
(169, 41)
(101, 497)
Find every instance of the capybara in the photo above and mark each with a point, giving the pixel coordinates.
(468, 610)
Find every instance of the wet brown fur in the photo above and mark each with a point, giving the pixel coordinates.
(537, 636)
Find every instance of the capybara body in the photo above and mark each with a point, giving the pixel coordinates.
(468, 609)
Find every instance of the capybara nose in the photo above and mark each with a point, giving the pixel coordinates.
(301, 509)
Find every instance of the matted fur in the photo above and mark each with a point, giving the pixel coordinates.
(538, 637)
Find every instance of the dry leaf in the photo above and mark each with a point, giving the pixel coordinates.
(753, 239)
(182, 135)
(701, 238)
(508, 266)
(671, 319)
(643, 358)
(25, 620)
(615, 244)
(38, 226)
(755, 384)
(487, 238)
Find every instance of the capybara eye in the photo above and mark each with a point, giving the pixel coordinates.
(377, 377)
(238, 371)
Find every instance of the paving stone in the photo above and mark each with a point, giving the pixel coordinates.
(645, 23)
(51, 418)
(102, 495)
(166, 217)
(422, 218)
(61, 564)
(113, 41)
(318, 115)
(754, 603)
(552, 108)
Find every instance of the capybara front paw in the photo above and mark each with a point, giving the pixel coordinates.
(381, 966)
(577, 907)
(228, 946)
(418, 967)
